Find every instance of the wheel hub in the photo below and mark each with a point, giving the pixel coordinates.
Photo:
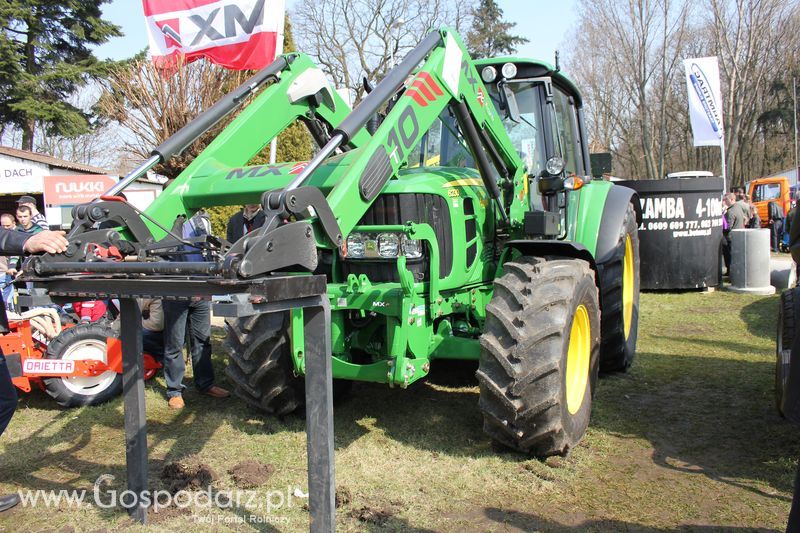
(628, 283)
(89, 349)
(578, 358)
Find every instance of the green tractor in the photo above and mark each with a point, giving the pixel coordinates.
(453, 216)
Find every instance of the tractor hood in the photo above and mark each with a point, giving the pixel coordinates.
(245, 185)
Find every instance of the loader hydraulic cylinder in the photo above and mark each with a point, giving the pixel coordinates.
(184, 137)
(362, 114)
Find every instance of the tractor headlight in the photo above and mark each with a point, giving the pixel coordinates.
(356, 246)
(412, 249)
(382, 246)
(388, 245)
(555, 166)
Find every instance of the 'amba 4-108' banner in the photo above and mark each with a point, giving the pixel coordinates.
(236, 34)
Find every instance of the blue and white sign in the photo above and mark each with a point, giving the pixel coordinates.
(705, 100)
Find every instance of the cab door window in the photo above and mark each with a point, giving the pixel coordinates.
(567, 137)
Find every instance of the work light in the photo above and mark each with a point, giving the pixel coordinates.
(382, 246)
(411, 248)
(509, 70)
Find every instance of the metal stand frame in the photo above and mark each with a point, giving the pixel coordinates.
(271, 294)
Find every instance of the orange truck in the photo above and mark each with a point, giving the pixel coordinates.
(762, 191)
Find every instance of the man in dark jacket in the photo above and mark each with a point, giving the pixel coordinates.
(735, 218)
(245, 221)
(775, 213)
(17, 243)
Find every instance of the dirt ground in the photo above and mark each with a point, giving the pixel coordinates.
(688, 440)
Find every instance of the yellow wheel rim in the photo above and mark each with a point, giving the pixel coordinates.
(628, 283)
(578, 358)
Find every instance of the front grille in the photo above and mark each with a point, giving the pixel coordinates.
(391, 209)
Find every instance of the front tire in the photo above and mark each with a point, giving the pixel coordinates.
(539, 355)
(619, 294)
(84, 341)
(260, 363)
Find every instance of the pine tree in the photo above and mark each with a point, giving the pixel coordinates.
(489, 35)
(45, 57)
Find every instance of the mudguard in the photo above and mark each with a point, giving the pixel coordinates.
(612, 218)
(551, 247)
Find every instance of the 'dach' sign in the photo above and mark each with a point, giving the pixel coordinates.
(74, 190)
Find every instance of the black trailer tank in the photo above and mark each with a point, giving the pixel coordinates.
(681, 232)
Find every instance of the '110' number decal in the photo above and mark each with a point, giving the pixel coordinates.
(400, 139)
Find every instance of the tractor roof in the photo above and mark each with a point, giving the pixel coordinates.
(537, 68)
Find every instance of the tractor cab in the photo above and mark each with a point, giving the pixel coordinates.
(541, 110)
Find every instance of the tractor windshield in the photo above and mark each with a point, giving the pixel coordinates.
(526, 134)
(444, 145)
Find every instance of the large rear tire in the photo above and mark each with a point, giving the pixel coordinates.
(260, 365)
(539, 355)
(84, 341)
(788, 314)
(619, 296)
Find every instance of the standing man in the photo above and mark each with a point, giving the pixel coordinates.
(245, 221)
(15, 242)
(36, 217)
(736, 219)
(8, 265)
(197, 315)
(152, 327)
(775, 214)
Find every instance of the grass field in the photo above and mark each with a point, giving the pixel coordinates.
(688, 439)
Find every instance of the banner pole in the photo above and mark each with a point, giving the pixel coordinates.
(273, 144)
(724, 169)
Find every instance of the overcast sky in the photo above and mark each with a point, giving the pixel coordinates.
(545, 22)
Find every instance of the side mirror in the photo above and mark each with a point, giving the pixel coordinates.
(510, 101)
(601, 164)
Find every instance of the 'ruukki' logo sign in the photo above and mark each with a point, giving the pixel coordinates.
(73, 190)
(703, 89)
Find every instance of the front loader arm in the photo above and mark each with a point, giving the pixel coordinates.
(436, 75)
(445, 78)
(272, 111)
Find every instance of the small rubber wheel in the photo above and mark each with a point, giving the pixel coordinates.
(83, 342)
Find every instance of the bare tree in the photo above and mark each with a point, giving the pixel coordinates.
(353, 39)
(153, 106)
(626, 57)
(99, 147)
(635, 51)
(748, 37)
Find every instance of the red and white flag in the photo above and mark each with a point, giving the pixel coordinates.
(236, 34)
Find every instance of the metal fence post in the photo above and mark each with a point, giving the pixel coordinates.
(319, 416)
(133, 401)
